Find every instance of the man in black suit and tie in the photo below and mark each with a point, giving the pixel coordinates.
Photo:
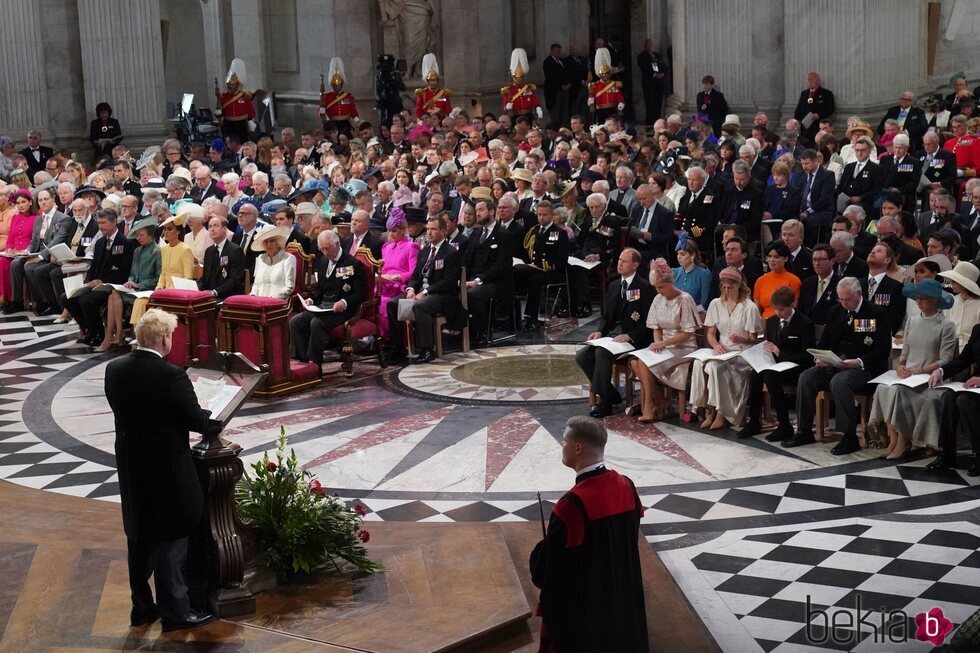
(489, 268)
(204, 186)
(959, 407)
(651, 227)
(35, 153)
(817, 197)
(339, 292)
(111, 263)
(862, 179)
(50, 229)
(938, 166)
(628, 301)
(698, 211)
(736, 256)
(911, 120)
(434, 286)
(800, 262)
(379, 219)
(903, 172)
(857, 334)
(248, 227)
(881, 290)
(224, 263)
(819, 291)
(556, 86)
(547, 245)
(846, 263)
(155, 409)
(789, 333)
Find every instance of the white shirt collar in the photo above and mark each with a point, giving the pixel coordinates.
(629, 279)
(590, 468)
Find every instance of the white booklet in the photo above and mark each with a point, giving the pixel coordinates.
(708, 354)
(181, 283)
(826, 356)
(891, 378)
(214, 394)
(957, 386)
(517, 263)
(406, 309)
(574, 260)
(75, 285)
(762, 360)
(313, 308)
(118, 287)
(649, 357)
(611, 345)
(63, 253)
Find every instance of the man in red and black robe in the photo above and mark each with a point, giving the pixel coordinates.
(588, 564)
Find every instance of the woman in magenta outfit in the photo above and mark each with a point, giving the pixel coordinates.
(18, 238)
(399, 255)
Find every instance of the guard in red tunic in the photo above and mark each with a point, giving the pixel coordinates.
(235, 105)
(588, 564)
(432, 100)
(337, 105)
(606, 95)
(520, 98)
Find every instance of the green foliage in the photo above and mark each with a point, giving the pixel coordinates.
(301, 527)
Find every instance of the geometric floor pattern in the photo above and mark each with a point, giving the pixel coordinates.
(748, 530)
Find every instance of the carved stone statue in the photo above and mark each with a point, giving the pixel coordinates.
(415, 21)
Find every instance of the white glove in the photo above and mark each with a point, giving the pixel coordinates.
(540, 113)
(217, 112)
(620, 106)
(509, 106)
(590, 101)
(252, 126)
(321, 112)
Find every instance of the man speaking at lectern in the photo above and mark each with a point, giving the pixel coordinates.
(155, 409)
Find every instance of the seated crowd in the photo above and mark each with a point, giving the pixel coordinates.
(694, 237)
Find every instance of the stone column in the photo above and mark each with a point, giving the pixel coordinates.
(122, 62)
(24, 100)
(215, 41)
(478, 62)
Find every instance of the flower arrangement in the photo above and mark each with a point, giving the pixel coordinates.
(301, 527)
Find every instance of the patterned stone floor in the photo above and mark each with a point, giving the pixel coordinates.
(748, 530)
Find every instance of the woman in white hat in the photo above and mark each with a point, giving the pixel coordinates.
(275, 269)
(965, 313)
(197, 237)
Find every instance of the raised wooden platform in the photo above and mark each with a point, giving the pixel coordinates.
(447, 587)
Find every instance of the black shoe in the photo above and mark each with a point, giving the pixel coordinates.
(41, 310)
(93, 341)
(585, 310)
(846, 445)
(194, 619)
(82, 341)
(798, 440)
(781, 434)
(12, 307)
(615, 398)
(397, 356)
(751, 429)
(600, 410)
(142, 618)
(531, 324)
(974, 470)
(425, 356)
(939, 464)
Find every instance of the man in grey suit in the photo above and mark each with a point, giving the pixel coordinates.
(624, 193)
(51, 228)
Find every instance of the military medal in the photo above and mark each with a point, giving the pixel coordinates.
(224, 273)
(704, 107)
(635, 316)
(867, 341)
(809, 100)
(346, 287)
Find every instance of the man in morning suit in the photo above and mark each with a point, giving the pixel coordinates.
(434, 286)
(789, 333)
(819, 291)
(111, 263)
(651, 227)
(817, 197)
(815, 102)
(160, 492)
(50, 229)
(957, 407)
(588, 564)
(340, 290)
(489, 268)
(35, 153)
(846, 261)
(224, 263)
(547, 245)
(628, 301)
(857, 334)
(862, 180)
(248, 228)
(883, 291)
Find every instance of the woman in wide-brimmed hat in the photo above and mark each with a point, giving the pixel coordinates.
(275, 269)
(965, 312)
(143, 276)
(911, 415)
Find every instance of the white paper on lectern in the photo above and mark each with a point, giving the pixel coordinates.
(214, 394)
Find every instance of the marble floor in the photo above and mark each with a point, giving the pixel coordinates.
(767, 544)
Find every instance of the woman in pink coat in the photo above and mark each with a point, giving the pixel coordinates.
(399, 255)
(18, 238)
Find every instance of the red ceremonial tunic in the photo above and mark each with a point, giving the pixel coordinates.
(523, 98)
(966, 149)
(427, 101)
(339, 106)
(607, 95)
(237, 106)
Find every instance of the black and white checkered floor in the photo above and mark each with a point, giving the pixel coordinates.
(759, 557)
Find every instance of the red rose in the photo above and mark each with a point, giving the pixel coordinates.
(359, 509)
(271, 466)
(363, 535)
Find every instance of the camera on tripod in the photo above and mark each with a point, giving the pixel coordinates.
(388, 85)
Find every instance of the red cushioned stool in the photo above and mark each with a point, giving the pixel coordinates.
(194, 336)
(258, 328)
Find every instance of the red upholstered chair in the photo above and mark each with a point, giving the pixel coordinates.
(365, 321)
(194, 336)
(258, 328)
(304, 274)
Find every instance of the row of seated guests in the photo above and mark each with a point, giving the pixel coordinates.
(859, 325)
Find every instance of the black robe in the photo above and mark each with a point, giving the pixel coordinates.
(588, 569)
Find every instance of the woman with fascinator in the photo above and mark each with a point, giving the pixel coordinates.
(674, 319)
(399, 255)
